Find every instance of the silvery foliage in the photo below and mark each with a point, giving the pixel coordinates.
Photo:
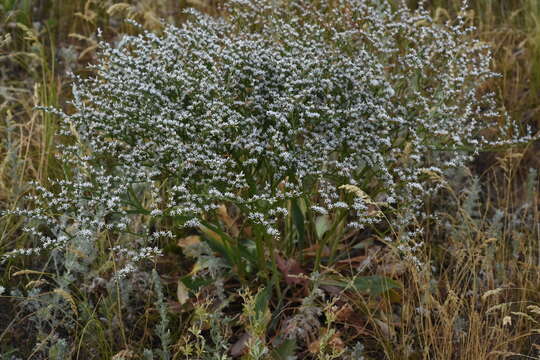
(273, 102)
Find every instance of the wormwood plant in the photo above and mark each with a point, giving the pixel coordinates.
(279, 127)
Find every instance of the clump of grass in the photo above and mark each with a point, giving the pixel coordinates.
(478, 299)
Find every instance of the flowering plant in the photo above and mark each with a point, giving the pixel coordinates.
(279, 113)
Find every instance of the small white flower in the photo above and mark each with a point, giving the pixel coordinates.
(156, 212)
(319, 210)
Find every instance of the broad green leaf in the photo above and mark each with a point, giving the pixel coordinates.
(322, 225)
(219, 247)
(373, 285)
(261, 302)
(298, 219)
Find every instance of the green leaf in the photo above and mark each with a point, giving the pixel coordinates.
(285, 350)
(246, 253)
(261, 302)
(134, 201)
(220, 242)
(298, 219)
(373, 285)
(322, 225)
(219, 247)
(195, 283)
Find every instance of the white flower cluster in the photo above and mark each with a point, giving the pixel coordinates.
(274, 102)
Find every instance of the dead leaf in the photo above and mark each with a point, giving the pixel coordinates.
(392, 269)
(210, 233)
(124, 355)
(175, 307)
(315, 346)
(346, 315)
(247, 231)
(356, 259)
(386, 329)
(228, 220)
(240, 346)
(182, 292)
(291, 270)
(189, 241)
(332, 290)
(344, 312)
(334, 342)
(312, 251)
